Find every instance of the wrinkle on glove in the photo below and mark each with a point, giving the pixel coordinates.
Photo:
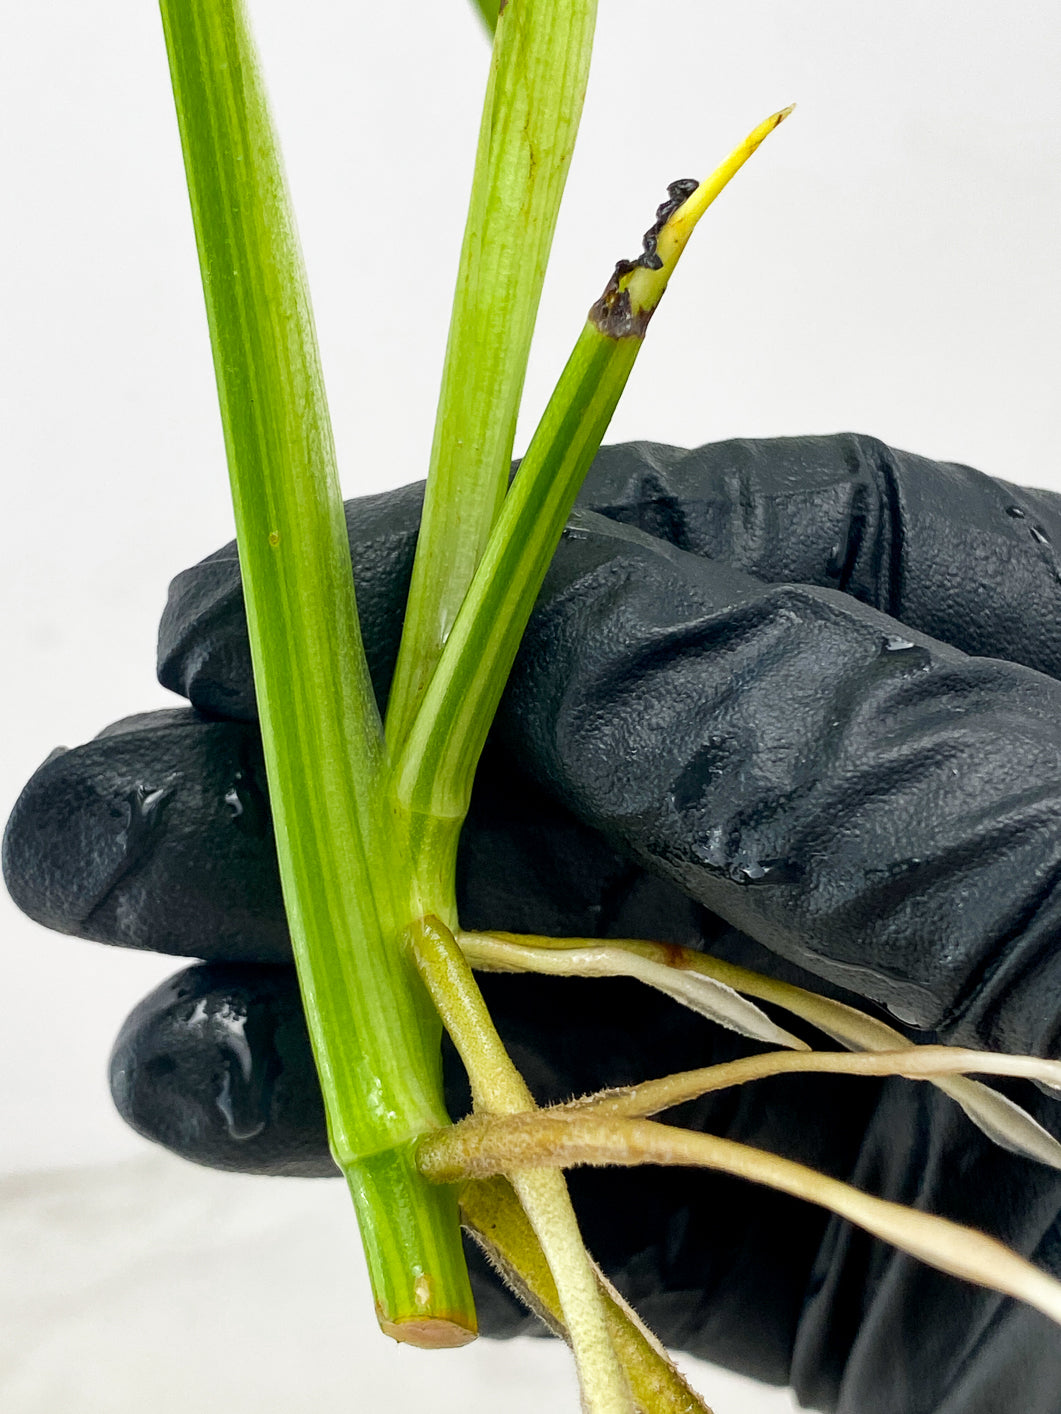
(959, 555)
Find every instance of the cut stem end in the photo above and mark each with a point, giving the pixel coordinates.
(419, 1282)
(435, 1334)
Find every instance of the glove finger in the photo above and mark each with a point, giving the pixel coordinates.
(203, 650)
(215, 1065)
(158, 835)
(863, 800)
(955, 554)
(964, 557)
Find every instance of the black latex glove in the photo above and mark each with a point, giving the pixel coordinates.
(742, 718)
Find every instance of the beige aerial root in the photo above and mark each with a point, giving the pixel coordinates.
(482, 1147)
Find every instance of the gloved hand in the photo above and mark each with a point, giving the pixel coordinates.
(743, 718)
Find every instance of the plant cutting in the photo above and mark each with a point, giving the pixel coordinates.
(368, 821)
(368, 816)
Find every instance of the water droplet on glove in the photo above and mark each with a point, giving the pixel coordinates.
(245, 1091)
(903, 656)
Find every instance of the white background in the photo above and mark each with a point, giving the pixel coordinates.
(887, 263)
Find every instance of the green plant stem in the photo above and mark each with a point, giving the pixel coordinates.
(481, 1148)
(374, 1032)
(498, 1088)
(530, 117)
(436, 767)
(434, 773)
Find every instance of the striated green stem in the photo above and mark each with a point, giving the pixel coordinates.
(375, 1034)
(530, 117)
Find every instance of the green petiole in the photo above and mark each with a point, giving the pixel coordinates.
(531, 113)
(374, 1031)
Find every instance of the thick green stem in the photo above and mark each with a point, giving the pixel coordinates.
(432, 842)
(530, 118)
(374, 1032)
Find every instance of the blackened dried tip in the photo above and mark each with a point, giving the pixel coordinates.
(678, 193)
(612, 314)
